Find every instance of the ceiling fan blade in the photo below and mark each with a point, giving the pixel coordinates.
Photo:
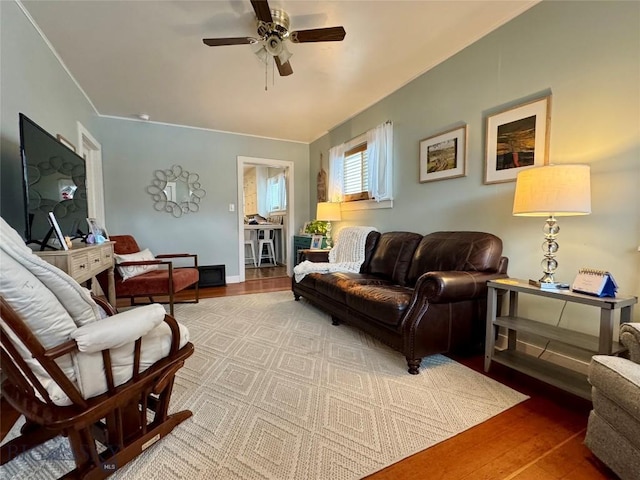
(330, 34)
(217, 42)
(263, 12)
(283, 68)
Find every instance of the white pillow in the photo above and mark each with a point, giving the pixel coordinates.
(135, 270)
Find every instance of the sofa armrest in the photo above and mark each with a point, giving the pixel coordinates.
(454, 286)
(630, 338)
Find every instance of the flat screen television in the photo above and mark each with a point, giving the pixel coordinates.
(54, 180)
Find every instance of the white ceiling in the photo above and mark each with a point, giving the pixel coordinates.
(134, 57)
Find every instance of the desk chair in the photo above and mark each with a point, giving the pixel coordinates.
(266, 237)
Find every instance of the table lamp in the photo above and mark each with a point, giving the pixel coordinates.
(329, 212)
(552, 191)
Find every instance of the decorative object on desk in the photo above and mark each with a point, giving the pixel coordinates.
(329, 212)
(98, 232)
(517, 139)
(56, 230)
(176, 191)
(595, 282)
(443, 155)
(550, 191)
(316, 242)
(66, 143)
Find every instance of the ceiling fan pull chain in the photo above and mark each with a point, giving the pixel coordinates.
(266, 81)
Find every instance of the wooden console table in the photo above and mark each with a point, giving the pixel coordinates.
(562, 377)
(82, 263)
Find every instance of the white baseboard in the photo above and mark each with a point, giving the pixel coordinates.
(233, 279)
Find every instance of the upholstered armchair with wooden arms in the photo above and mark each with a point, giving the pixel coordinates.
(75, 367)
(139, 273)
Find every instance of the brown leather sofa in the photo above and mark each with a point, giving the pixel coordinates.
(420, 295)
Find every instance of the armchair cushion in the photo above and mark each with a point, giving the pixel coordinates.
(155, 346)
(129, 271)
(118, 330)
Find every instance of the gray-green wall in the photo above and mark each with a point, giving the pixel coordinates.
(134, 150)
(587, 55)
(32, 82)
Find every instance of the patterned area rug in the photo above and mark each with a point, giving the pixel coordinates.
(279, 393)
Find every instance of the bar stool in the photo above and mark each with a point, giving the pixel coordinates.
(265, 239)
(250, 242)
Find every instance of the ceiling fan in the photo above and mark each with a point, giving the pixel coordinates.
(273, 31)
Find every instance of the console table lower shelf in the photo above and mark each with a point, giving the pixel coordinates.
(559, 376)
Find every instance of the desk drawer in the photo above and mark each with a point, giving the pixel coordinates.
(95, 261)
(79, 266)
(106, 253)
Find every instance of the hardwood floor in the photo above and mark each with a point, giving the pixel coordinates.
(539, 439)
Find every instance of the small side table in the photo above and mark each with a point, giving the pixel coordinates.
(562, 377)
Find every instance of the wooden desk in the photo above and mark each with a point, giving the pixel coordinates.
(280, 253)
(82, 263)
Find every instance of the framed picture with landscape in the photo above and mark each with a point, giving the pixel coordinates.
(444, 155)
(517, 138)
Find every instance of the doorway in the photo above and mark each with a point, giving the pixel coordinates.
(271, 172)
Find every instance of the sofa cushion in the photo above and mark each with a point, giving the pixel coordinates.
(459, 251)
(384, 303)
(392, 256)
(337, 285)
(369, 248)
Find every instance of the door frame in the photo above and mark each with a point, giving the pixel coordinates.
(91, 150)
(288, 167)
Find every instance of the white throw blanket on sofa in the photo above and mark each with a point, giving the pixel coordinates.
(346, 256)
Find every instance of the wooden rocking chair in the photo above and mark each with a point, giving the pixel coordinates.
(125, 420)
(75, 367)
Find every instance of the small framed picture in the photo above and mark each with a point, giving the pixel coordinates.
(56, 229)
(316, 242)
(96, 229)
(517, 139)
(444, 155)
(66, 143)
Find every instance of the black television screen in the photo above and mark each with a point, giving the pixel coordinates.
(54, 180)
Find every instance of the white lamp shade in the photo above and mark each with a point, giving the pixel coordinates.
(328, 211)
(559, 190)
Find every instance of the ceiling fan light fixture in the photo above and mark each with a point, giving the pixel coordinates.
(285, 55)
(273, 44)
(262, 54)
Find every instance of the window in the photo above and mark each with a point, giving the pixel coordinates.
(276, 193)
(356, 174)
(362, 169)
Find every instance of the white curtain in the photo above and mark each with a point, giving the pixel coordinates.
(277, 193)
(335, 189)
(380, 154)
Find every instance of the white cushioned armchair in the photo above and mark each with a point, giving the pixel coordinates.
(79, 369)
(613, 432)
